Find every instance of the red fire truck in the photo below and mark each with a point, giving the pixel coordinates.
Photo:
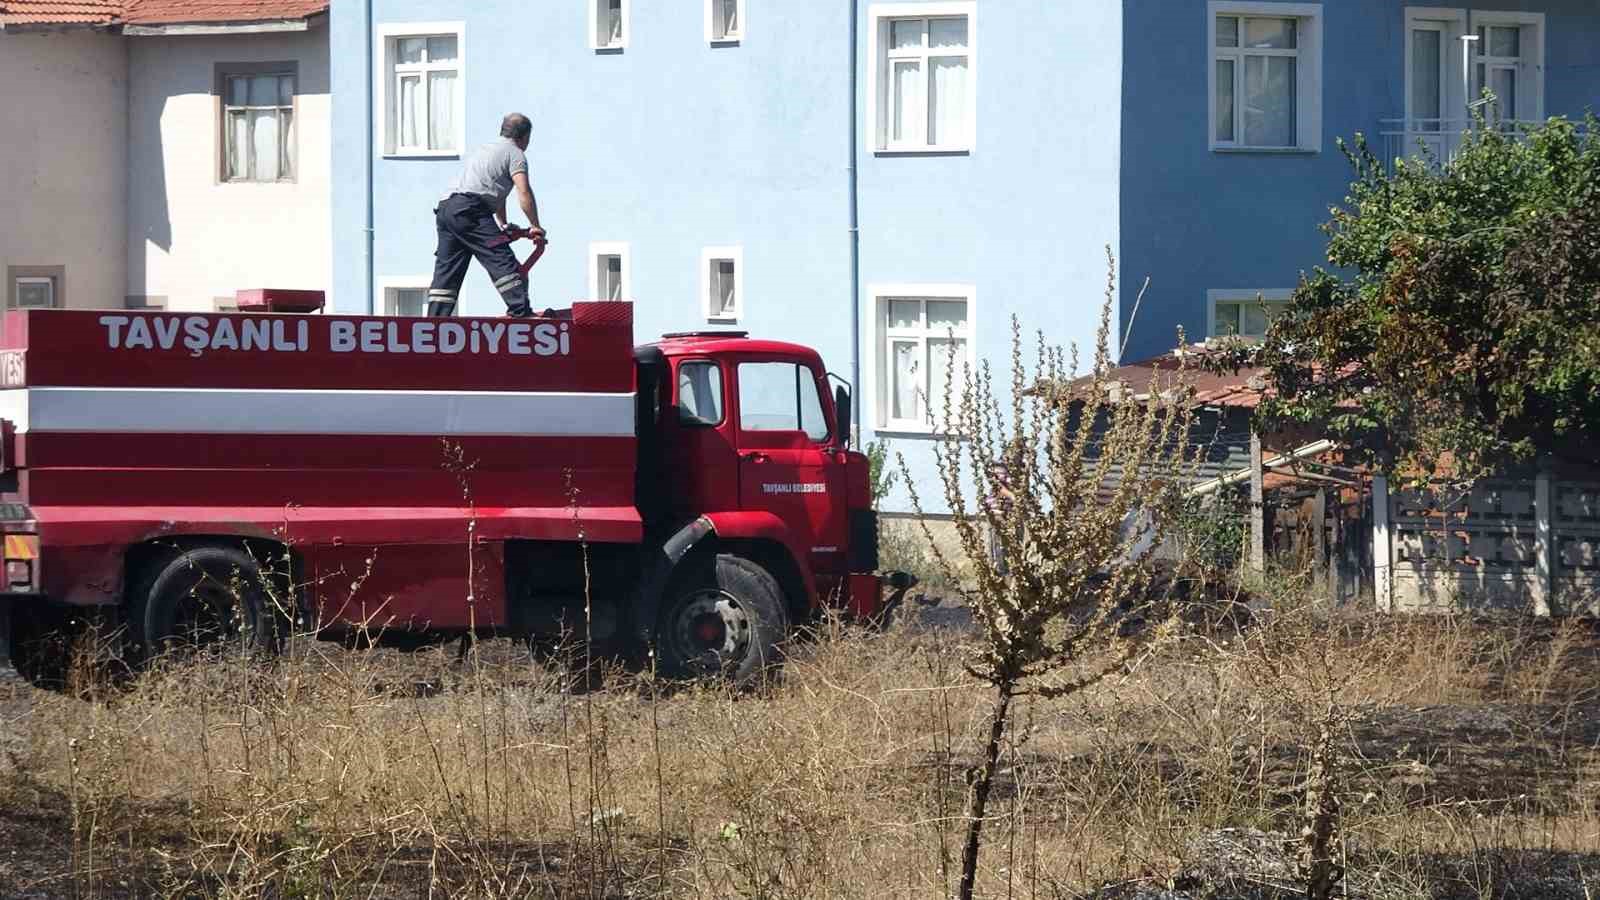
(185, 473)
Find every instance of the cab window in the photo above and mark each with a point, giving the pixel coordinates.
(699, 393)
(777, 396)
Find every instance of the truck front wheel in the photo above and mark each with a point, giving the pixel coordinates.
(723, 616)
(213, 596)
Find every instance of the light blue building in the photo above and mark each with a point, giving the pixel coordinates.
(873, 178)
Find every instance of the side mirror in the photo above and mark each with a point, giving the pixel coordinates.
(841, 409)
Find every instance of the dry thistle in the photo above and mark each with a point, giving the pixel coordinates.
(1079, 483)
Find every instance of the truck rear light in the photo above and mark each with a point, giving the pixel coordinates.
(19, 573)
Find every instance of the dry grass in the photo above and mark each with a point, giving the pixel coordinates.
(335, 773)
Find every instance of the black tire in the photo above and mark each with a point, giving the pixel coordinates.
(209, 598)
(723, 616)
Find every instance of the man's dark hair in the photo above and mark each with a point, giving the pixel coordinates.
(516, 126)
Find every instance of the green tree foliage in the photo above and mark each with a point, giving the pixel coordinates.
(1467, 334)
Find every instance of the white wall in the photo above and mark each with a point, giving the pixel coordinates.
(192, 238)
(62, 161)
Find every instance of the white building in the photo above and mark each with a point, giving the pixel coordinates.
(176, 151)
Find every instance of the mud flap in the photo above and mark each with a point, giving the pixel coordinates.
(658, 571)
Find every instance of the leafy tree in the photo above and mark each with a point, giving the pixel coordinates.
(1468, 335)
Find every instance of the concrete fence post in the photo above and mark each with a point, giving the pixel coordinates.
(1545, 547)
(1382, 546)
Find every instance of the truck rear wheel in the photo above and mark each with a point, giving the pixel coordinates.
(724, 616)
(209, 597)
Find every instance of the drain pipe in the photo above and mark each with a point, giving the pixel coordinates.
(371, 148)
(855, 234)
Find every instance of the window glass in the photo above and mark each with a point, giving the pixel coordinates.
(258, 127)
(925, 67)
(699, 393)
(780, 397)
(1227, 31)
(1269, 34)
(926, 345)
(425, 74)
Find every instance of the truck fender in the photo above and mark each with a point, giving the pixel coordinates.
(751, 525)
(729, 526)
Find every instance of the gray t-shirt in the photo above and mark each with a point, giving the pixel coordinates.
(487, 172)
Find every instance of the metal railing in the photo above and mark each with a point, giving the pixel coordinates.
(1436, 140)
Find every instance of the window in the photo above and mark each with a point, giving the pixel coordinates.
(35, 287)
(422, 88)
(258, 125)
(722, 283)
(609, 275)
(923, 79)
(724, 21)
(699, 393)
(405, 295)
(1244, 313)
(1266, 76)
(608, 24)
(780, 396)
(36, 293)
(1508, 62)
(925, 336)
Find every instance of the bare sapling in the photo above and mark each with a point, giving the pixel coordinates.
(1079, 480)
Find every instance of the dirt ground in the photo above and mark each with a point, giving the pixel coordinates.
(1471, 769)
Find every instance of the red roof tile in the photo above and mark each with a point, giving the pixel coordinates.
(173, 12)
(58, 12)
(153, 12)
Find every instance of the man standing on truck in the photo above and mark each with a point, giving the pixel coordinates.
(472, 222)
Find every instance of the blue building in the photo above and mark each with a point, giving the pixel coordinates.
(1231, 110)
(863, 177)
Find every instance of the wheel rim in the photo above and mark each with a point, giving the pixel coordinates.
(208, 615)
(709, 630)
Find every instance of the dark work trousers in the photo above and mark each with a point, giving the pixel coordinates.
(467, 229)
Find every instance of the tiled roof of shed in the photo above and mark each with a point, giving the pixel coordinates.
(153, 12)
(57, 12)
(174, 12)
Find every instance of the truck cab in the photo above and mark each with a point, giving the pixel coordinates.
(753, 437)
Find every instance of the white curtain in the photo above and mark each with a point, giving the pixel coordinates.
(239, 144)
(441, 110)
(942, 353)
(907, 90)
(1426, 45)
(904, 378)
(1269, 88)
(411, 111)
(730, 17)
(947, 112)
(286, 138)
(264, 144)
(1225, 95)
(1505, 91)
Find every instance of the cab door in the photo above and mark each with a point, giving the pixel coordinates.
(789, 461)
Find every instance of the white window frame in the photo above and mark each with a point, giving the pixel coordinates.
(881, 294)
(386, 117)
(593, 7)
(49, 280)
(732, 37)
(879, 15)
(289, 149)
(1308, 72)
(707, 256)
(1269, 297)
(384, 301)
(1530, 67)
(621, 249)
